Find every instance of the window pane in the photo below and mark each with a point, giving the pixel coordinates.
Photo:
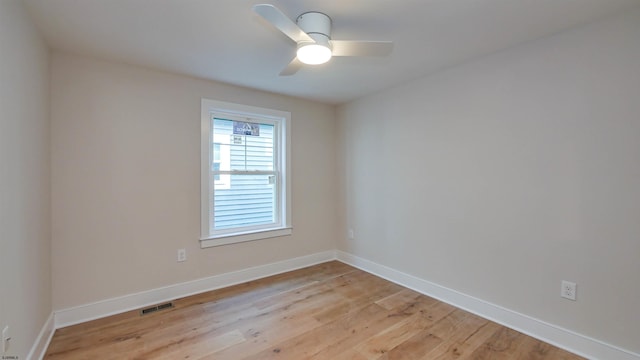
(216, 152)
(245, 152)
(250, 200)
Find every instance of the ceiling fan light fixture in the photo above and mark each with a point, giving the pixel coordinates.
(314, 53)
(312, 34)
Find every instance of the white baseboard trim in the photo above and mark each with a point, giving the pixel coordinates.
(42, 341)
(100, 309)
(552, 334)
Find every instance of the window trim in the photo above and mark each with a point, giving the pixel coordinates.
(208, 107)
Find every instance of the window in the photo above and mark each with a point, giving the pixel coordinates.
(245, 184)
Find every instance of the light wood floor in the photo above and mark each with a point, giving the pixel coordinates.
(327, 311)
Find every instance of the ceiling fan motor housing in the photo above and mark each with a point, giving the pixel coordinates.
(317, 25)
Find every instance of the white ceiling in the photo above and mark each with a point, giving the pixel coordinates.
(224, 40)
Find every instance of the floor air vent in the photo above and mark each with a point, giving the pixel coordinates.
(155, 308)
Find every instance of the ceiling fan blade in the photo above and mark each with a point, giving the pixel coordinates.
(361, 48)
(273, 15)
(292, 68)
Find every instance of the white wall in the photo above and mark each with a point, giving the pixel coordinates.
(503, 176)
(126, 180)
(25, 197)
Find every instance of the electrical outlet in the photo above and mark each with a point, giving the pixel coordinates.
(5, 339)
(568, 290)
(182, 255)
(351, 235)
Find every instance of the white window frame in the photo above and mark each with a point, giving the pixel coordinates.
(283, 226)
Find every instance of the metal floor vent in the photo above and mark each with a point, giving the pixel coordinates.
(155, 308)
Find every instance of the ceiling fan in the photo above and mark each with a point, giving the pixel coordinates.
(312, 34)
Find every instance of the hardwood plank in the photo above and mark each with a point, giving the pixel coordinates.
(350, 354)
(423, 313)
(414, 347)
(502, 345)
(326, 311)
(358, 289)
(412, 312)
(404, 296)
(464, 343)
(312, 342)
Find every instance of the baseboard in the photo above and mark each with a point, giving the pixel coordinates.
(552, 334)
(42, 341)
(100, 309)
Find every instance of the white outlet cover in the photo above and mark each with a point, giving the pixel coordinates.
(182, 255)
(568, 290)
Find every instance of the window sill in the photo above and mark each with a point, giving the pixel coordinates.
(243, 237)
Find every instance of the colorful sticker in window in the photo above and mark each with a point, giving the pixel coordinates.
(246, 128)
